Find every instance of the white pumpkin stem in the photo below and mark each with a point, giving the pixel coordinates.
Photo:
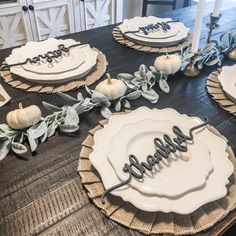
(20, 105)
(108, 78)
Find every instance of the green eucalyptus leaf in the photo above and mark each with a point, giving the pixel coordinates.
(106, 113)
(143, 71)
(125, 77)
(22, 136)
(67, 98)
(4, 128)
(35, 132)
(118, 106)
(152, 68)
(132, 86)
(100, 98)
(154, 101)
(138, 76)
(164, 86)
(88, 90)
(69, 128)
(133, 95)
(51, 107)
(212, 63)
(137, 82)
(18, 148)
(52, 129)
(80, 97)
(126, 103)
(144, 87)
(71, 116)
(150, 95)
(86, 106)
(4, 149)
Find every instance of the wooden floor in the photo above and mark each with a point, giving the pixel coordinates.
(42, 194)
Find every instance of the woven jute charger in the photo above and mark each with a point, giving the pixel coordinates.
(126, 214)
(97, 72)
(119, 37)
(214, 88)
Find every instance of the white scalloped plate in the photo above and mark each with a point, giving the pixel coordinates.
(227, 79)
(78, 72)
(168, 177)
(133, 25)
(181, 31)
(214, 189)
(69, 61)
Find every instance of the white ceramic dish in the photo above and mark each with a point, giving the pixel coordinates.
(78, 72)
(227, 79)
(69, 61)
(137, 22)
(178, 33)
(168, 177)
(214, 189)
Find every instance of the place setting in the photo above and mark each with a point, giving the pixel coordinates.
(146, 185)
(153, 34)
(53, 65)
(221, 85)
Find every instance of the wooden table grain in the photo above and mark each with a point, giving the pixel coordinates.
(41, 194)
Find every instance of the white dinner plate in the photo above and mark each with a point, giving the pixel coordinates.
(178, 32)
(68, 61)
(227, 79)
(169, 177)
(215, 187)
(76, 73)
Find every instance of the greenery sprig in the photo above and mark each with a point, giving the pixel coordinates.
(211, 54)
(141, 85)
(66, 118)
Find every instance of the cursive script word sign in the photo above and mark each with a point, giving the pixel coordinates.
(153, 27)
(163, 149)
(48, 57)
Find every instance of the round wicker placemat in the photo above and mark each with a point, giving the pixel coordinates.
(157, 222)
(21, 83)
(215, 90)
(119, 37)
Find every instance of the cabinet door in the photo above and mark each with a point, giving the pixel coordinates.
(98, 13)
(15, 28)
(51, 18)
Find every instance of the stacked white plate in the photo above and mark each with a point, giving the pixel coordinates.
(177, 33)
(227, 79)
(75, 64)
(182, 183)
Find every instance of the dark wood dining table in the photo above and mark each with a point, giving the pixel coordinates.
(41, 193)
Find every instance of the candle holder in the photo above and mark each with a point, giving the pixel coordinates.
(212, 25)
(191, 71)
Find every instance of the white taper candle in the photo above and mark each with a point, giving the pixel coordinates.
(217, 7)
(198, 26)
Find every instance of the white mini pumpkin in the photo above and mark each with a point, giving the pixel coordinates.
(23, 117)
(168, 64)
(111, 88)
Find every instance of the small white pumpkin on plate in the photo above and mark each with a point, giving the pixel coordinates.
(168, 64)
(23, 117)
(111, 88)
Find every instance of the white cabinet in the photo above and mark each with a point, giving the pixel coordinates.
(51, 18)
(96, 13)
(15, 28)
(25, 20)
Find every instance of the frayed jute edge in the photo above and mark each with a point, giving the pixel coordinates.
(215, 90)
(119, 37)
(26, 85)
(199, 222)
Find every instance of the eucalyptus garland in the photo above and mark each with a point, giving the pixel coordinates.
(211, 54)
(66, 118)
